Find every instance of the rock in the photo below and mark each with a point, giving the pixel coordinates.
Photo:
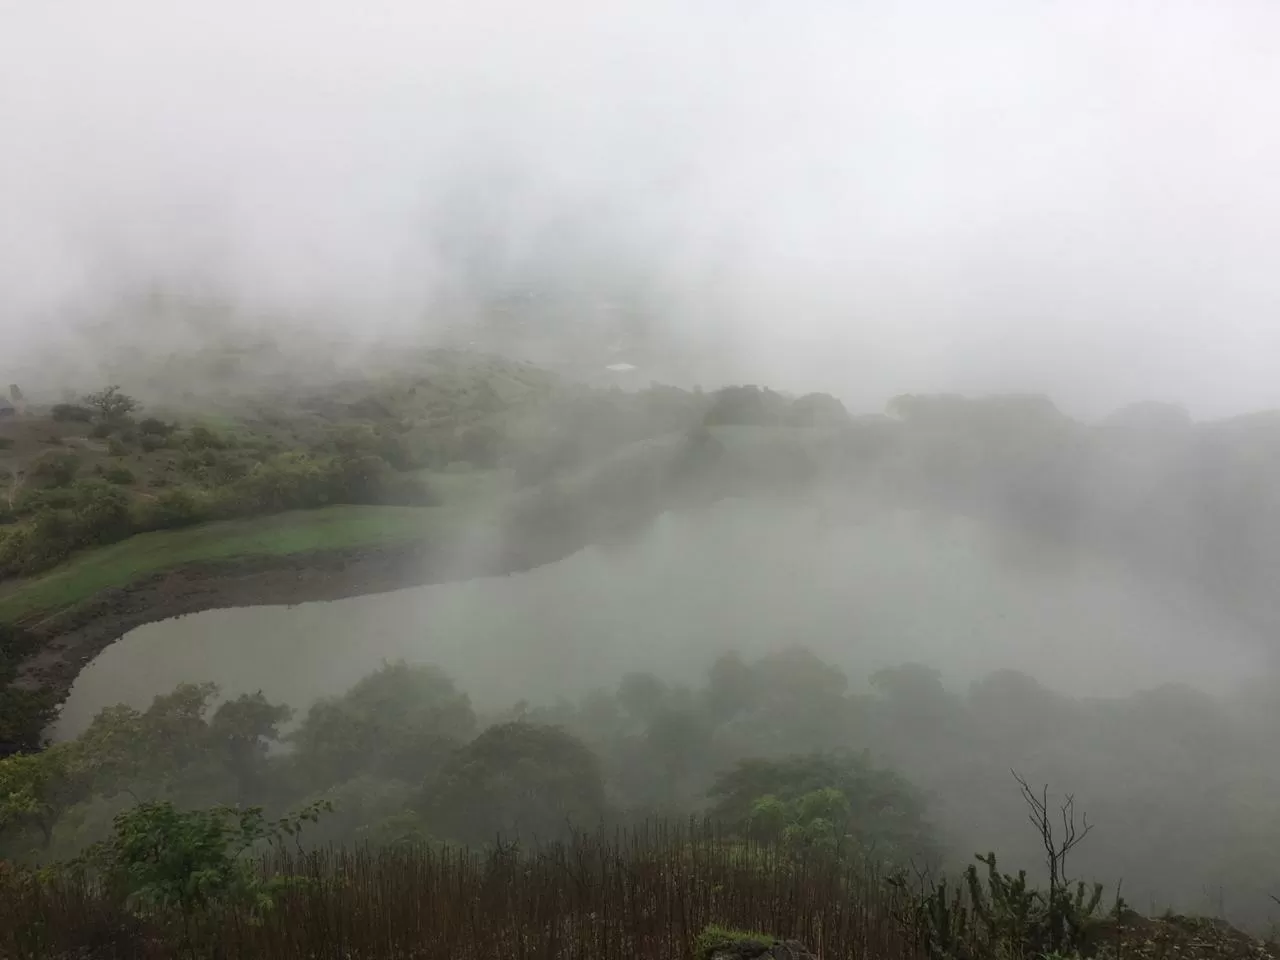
(750, 948)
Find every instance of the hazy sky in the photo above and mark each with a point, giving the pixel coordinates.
(1077, 197)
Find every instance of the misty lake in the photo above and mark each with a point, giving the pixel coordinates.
(744, 575)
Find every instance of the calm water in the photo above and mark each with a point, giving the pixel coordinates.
(749, 576)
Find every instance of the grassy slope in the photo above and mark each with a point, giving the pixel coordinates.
(465, 496)
(294, 532)
(297, 531)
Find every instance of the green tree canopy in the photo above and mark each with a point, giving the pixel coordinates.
(518, 780)
(400, 721)
(885, 813)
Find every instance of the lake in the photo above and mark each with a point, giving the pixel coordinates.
(753, 576)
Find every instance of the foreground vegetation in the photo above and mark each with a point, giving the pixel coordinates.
(777, 752)
(771, 750)
(181, 885)
(645, 893)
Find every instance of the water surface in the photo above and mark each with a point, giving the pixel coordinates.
(750, 576)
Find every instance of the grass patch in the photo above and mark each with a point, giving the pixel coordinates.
(298, 531)
(714, 938)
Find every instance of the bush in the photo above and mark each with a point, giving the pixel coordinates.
(152, 427)
(202, 438)
(47, 539)
(71, 413)
(195, 464)
(100, 431)
(183, 861)
(286, 482)
(57, 468)
(117, 447)
(102, 513)
(176, 507)
(6, 443)
(150, 442)
(118, 473)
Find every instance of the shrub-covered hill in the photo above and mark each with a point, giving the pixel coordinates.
(80, 475)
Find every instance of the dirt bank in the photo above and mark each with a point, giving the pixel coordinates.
(68, 640)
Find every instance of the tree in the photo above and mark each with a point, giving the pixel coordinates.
(34, 790)
(816, 820)
(166, 743)
(111, 405)
(885, 813)
(731, 687)
(517, 780)
(242, 730)
(791, 701)
(402, 720)
(913, 700)
(747, 405)
(817, 410)
(642, 696)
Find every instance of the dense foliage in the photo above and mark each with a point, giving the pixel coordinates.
(402, 756)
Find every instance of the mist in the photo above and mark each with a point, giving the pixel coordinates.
(746, 577)
(865, 199)
(1072, 201)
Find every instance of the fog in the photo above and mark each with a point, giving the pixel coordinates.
(753, 578)
(746, 577)
(860, 198)
(1073, 200)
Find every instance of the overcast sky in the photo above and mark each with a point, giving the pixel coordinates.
(1078, 197)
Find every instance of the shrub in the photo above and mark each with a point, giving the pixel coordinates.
(100, 431)
(118, 473)
(6, 443)
(167, 859)
(715, 940)
(201, 437)
(175, 507)
(150, 442)
(152, 427)
(47, 539)
(25, 715)
(57, 468)
(71, 413)
(100, 513)
(117, 447)
(195, 464)
(286, 482)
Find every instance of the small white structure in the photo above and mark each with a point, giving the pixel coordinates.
(621, 367)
